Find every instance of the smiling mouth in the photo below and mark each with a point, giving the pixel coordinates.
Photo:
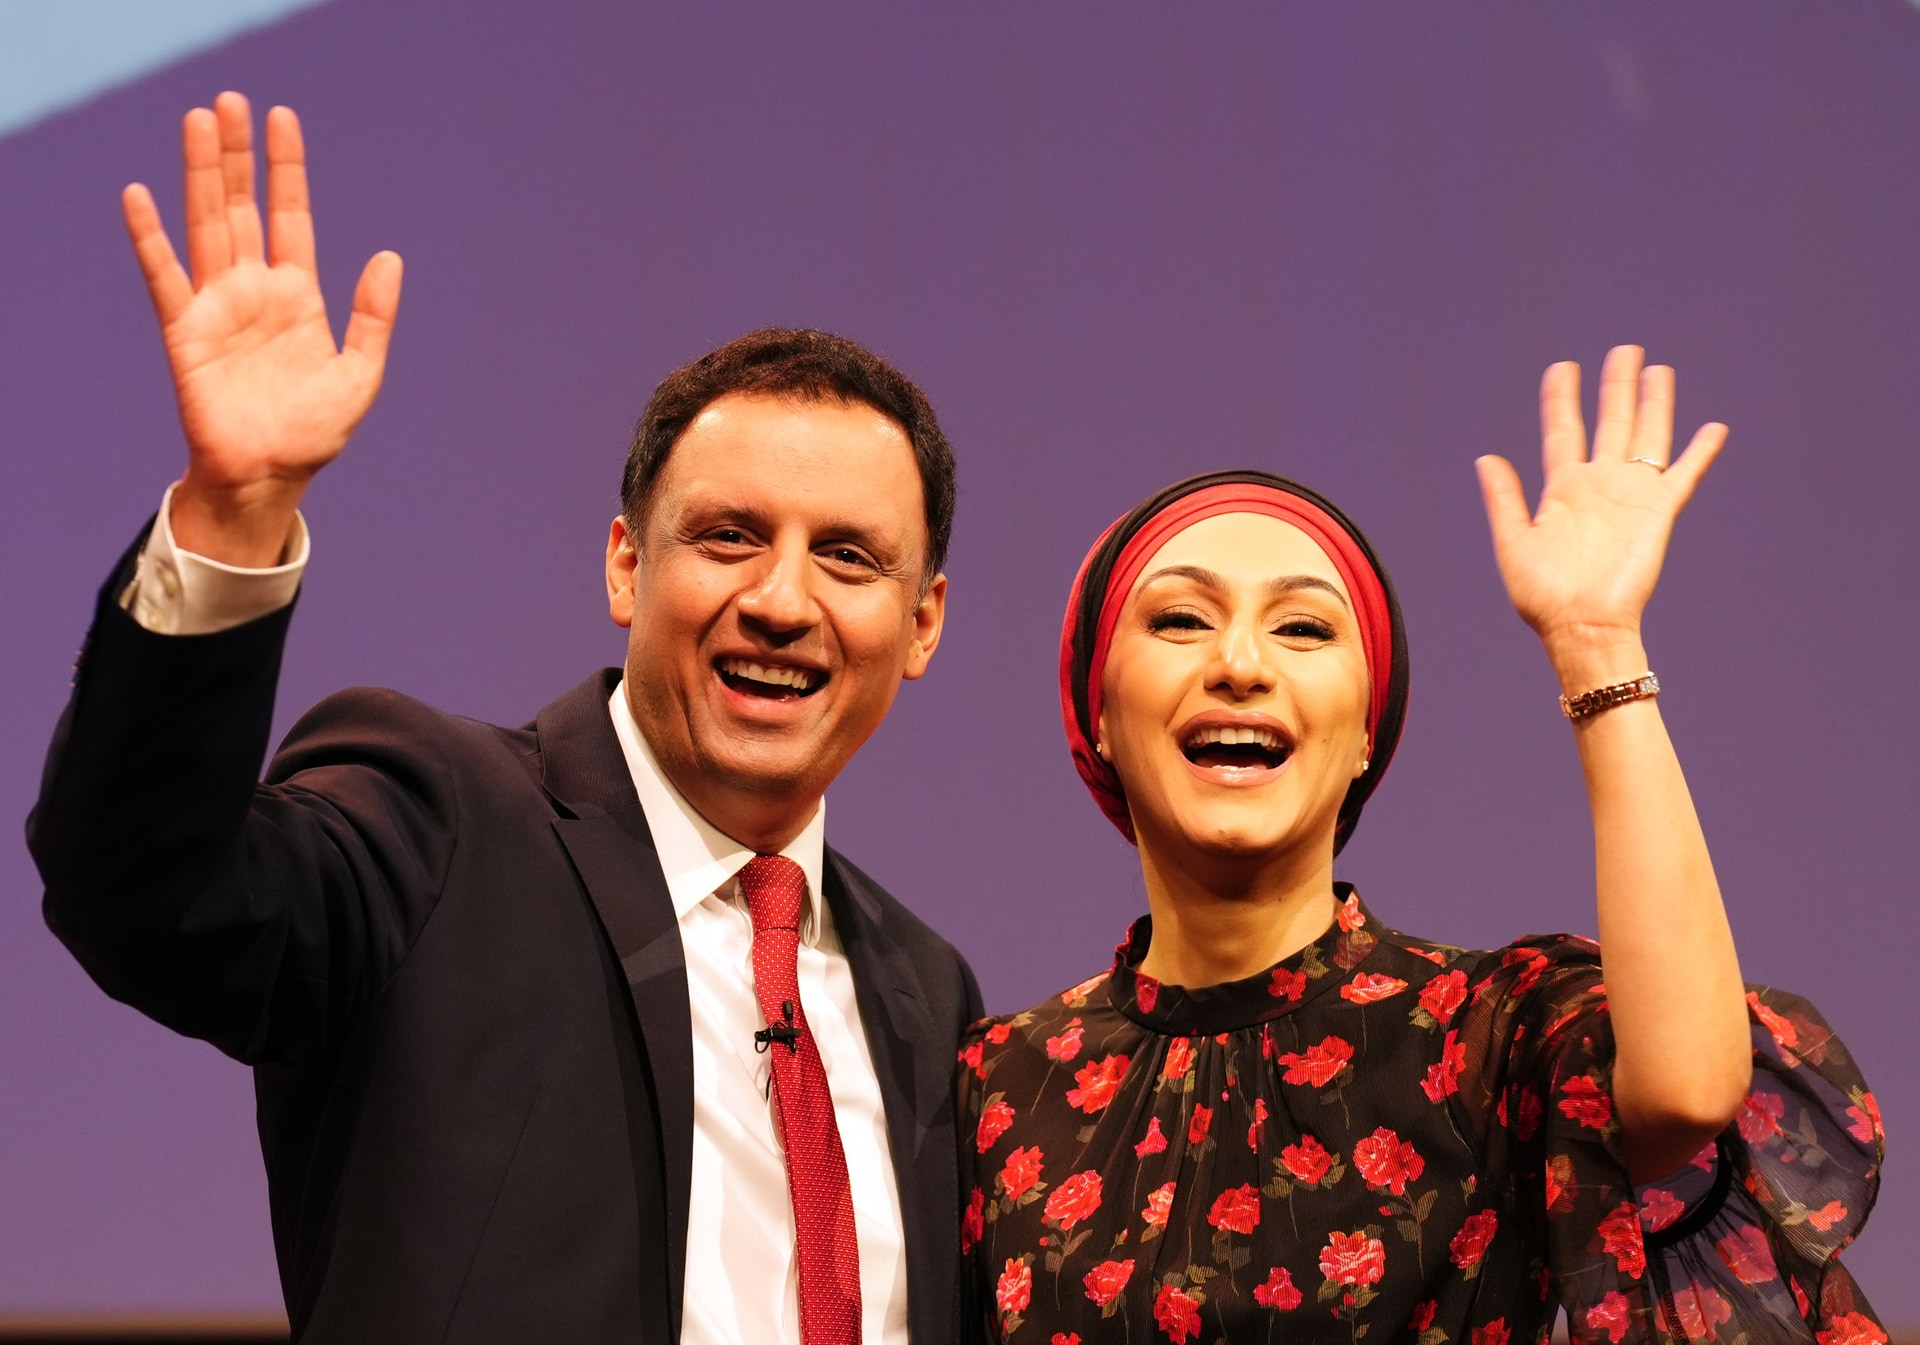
(1236, 749)
(769, 681)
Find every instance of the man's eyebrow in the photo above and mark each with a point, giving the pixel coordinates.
(1275, 588)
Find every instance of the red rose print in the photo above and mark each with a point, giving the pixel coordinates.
(1147, 991)
(1077, 996)
(1422, 1317)
(1559, 1178)
(973, 1221)
(1470, 1243)
(1351, 917)
(1620, 1239)
(1179, 1060)
(1527, 1111)
(1659, 1208)
(1308, 1160)
(1073, 1200)
(1318, 1064)
(1154, 1143)
(1278, 1292)
(1586, 1102)
(1015, 1289)
(973, 1056)
(1259, 1119)
(1159, 1205)
(1612, 1315)
(999, 1032)
(1107, 1279)
(1444, 994)
(1700, 1309)
(1236, 1210)
(1098, 1083)
(1760, 1117)
(1067, 1045)
(1438, 959)
(1535, 964)
(1197, 1127)
(1783, 1032)
(1177, 1313)
(1493, 1333)
(1852, 1329)
(1747, 1255)
(1367, 988)
(1866, 1120)
(1065, 1338)
(1387, 1162)
(1021, 1172)
(1353, 1258)
(1443, 1077)
(995, 1118)
(1288, 985)
(1827, 1215)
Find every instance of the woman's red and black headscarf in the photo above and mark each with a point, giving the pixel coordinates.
(1110, 570)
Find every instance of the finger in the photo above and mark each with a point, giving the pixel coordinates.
(209, 245)
(1563, 435)
(235, 116)
(1653, 424)
(1691, 466)
(376, 302)
(1505, 498)
(289, 217)
(1619, 396)
(167, 284)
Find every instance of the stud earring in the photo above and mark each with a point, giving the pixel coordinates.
(1364, 763)
(1101, 748)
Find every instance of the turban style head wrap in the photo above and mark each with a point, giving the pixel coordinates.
(1110, 570)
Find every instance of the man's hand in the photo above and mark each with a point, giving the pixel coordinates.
(266, 399)
(1582, 567)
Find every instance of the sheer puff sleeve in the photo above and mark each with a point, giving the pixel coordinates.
(1738, 1247)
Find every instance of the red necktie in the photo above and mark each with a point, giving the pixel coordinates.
(775, 888)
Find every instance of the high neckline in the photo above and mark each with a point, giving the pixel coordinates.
(1282, 988)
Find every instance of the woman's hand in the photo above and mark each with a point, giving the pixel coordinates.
(265, 397)
(1581, 568)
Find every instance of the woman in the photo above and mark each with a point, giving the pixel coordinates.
(1277, 1118)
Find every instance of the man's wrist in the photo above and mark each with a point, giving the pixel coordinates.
(248, 527)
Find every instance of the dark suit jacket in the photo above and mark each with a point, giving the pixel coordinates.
(448, 952)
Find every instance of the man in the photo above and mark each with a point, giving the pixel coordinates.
(575, 1031)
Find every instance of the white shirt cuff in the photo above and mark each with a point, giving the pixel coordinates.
(176, 592)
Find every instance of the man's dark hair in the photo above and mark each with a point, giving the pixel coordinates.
(808, 366)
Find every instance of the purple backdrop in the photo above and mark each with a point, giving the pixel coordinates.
(1116, 246)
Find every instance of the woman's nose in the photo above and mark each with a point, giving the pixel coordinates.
(1239, 662)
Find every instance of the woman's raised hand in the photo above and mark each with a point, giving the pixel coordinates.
(266, 398)
(1581, 568)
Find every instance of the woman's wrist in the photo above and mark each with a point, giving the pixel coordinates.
(1587, 659)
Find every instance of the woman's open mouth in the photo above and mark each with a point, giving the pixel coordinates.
(1236, 753)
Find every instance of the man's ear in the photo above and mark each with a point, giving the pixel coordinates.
(623, 564)
(929, 617)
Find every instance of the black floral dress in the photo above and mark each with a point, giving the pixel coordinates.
(1387, 1137)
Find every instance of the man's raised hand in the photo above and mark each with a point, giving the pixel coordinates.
(266, 399)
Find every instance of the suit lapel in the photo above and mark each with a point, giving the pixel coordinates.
(606, 836)
(915, 1068)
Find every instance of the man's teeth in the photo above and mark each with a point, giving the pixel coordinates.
(1236, 736)
(797, 678)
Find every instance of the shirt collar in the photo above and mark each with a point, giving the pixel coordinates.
(697, 858)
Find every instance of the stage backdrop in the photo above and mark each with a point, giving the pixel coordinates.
(1117, 244)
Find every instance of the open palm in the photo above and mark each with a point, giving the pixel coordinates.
(266, 399)
(1586, 561)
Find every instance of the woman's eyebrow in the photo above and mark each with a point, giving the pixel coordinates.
(1293, 583)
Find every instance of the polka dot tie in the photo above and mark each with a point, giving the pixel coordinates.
(775, 888)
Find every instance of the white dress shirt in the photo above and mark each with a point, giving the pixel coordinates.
(742, 1281)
